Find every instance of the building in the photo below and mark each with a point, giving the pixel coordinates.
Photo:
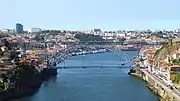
(177, 30)
(12, 31)
(4, 30)
(34, 30)
(96, 31)
(19, 28)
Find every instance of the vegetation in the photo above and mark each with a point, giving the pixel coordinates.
(165, 51)
(23, 75)
(176, 61)
(2, 35)
(177, 78)
(89, 37)
(38, 38)
(4, 82)
(20, 77)
(162, 53)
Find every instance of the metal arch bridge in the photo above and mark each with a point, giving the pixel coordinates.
(59, 57)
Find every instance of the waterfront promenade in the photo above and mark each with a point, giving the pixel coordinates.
(173, 92)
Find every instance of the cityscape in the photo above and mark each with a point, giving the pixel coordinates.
(145, 35)
(47, 51)
(90, 50)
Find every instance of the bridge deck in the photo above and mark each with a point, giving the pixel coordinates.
(69, 67)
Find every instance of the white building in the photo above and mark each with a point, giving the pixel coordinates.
(120, 34)
(4, 30)
(34, 30)
(177, 30)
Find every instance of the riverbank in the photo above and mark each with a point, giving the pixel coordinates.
(151, 88)
(36, 83)
(93, 81)
(163, 93)
(14, 93)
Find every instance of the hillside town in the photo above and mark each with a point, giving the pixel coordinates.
(159, 50)
(163, 61)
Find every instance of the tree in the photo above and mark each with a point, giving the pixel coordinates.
(88, 37)
(23, 75)
(38, 38)
(4, 84)
(9, 47)
(177, 78)
(2, 35)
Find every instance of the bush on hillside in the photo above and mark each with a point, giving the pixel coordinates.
(23, 75)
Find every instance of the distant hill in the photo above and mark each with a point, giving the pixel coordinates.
(88, 37)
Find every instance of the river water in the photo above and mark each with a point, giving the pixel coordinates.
(100, 81)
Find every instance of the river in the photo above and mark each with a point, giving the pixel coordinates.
(94, 83)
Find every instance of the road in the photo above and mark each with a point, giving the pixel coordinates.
(174, 92)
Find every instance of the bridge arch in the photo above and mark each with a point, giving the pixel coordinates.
(60, 56)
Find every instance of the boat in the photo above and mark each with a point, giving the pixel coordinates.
(123, 64)
(73, 54)
(131, 71)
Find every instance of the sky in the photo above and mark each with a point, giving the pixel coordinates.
(90, 14)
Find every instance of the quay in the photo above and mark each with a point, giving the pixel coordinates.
(166, 93)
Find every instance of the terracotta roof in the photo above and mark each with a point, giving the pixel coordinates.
(175, 66)
(4, 68)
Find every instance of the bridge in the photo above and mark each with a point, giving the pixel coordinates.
(73, 67)
(85, 48)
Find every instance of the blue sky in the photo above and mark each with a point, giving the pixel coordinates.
(89, 14)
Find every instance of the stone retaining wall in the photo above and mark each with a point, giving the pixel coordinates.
(164, 92)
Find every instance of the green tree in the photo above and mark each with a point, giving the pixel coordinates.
(2, 35)
(38, 38)
(8, 45)
(23, 75)
(177, 78)
(4, 77)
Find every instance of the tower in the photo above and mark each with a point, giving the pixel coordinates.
(19, 28)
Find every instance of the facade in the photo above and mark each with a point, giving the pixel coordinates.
(34, 30)
(19, 28)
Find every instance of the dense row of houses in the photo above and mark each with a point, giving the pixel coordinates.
(163, 67)
(24, 51)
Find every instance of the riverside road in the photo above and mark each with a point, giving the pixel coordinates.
(93, 84)
(175, 92)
